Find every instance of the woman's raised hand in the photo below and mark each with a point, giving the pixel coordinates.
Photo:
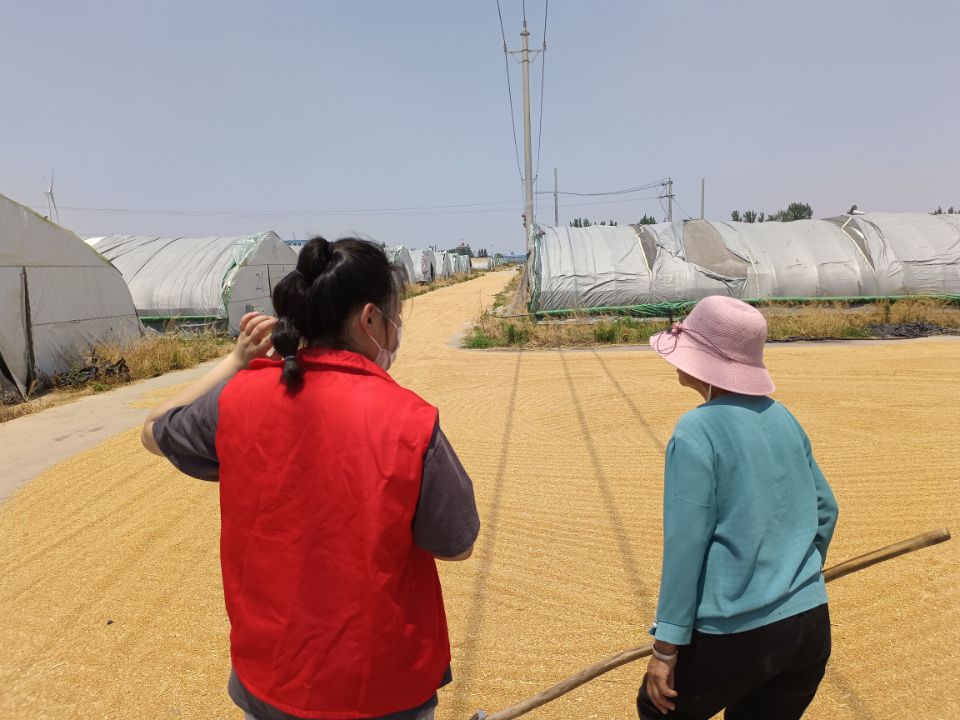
(254, 340)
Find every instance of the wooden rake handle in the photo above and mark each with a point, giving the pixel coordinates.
(934, 537)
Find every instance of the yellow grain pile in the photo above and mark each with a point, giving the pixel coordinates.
(565, 449)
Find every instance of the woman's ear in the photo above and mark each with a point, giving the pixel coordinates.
(368, 315)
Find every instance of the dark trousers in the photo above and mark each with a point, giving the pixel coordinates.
(770, 673)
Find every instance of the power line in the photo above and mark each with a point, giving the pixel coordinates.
(493, 206)
(506, 65)
(417, 211)
(285, 213)
(662, 206)
(682, 207)
(543, 72)
(609, 202)
(625, 191)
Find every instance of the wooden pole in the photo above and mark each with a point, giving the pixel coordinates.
(934, 537)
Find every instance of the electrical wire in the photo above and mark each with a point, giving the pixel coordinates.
(287, 213)
(506, 65)
(682, 207)
(543, 72)
(495, 206)
(625, 191)
(465, 209)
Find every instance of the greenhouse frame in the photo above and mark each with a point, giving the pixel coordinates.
(203, 281)
(854, 256)
(59, 299)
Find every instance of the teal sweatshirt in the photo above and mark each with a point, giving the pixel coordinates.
(747, 519)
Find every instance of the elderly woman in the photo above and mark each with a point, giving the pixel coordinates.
(742, 620)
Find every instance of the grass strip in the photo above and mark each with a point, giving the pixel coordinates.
(786, 321)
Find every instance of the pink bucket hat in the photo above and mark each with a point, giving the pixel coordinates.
(721, 343)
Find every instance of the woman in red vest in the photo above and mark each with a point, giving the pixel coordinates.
(338, 491)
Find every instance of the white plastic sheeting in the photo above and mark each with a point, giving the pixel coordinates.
(461, 263)
(58, 297)
(445, 264)
(877, 254)
(209, 279)
(441, 265)
(913, 253)
(400, 256)
(424, 265)
(488, 263)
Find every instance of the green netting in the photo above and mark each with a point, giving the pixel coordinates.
(186, 318)
(673, 309)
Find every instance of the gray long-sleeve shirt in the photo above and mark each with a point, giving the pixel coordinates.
(445, 523)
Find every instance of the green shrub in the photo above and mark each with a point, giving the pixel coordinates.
(606, 332)
(478, 340)
(516, 335)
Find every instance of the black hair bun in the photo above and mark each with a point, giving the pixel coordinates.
(315, 258)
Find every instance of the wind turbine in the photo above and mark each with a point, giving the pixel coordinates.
(51, 201)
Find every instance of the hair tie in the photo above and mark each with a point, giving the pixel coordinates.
(289, 358)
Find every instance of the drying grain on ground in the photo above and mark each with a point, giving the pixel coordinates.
(566, 450)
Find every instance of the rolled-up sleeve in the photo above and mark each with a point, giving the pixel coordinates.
(689, 521)
(187, 436)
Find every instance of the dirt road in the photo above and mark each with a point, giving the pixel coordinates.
(565, 449)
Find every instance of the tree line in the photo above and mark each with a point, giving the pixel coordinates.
(587, 222)
(793, 211)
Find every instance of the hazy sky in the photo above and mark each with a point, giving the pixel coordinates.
(273, 114)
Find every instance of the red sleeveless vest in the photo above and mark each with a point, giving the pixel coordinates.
(335, 613)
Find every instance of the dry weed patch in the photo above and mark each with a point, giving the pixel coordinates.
(918, 317)
(113, 364)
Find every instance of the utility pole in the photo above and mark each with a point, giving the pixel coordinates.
(703, 187)
(669, 185)
(525, 54)
(527, 149)
(556, 201)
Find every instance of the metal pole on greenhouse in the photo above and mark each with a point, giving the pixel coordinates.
(556, 201)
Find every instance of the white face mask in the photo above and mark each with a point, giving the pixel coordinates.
(385, 358)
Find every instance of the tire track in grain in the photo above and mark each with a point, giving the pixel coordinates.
(133, 501)
(490, 521)
(644, 423)
(627, 557)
